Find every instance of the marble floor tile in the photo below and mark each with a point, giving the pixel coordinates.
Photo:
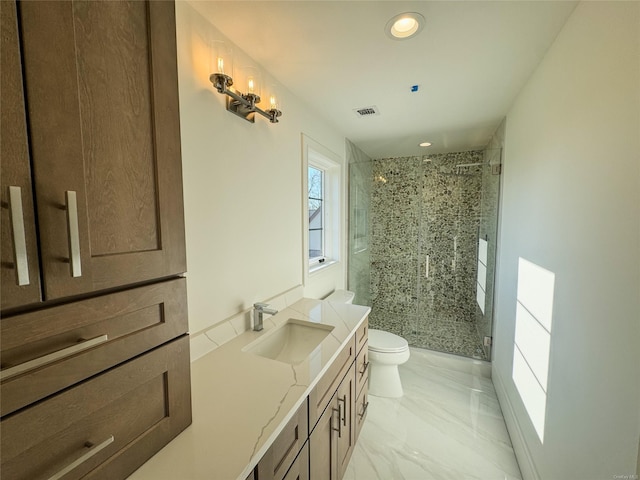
(447, 426)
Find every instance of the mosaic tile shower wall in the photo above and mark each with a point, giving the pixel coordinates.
(425, 214)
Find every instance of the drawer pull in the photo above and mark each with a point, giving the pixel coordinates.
(339, 429)
(93, 450)
(51, 357)
(19, 237)
(364, 409)
(74, 233)
(364, 370)
(343, 403)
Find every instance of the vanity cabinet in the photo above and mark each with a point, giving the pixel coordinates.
(335, 411)
(95, 374)
(362, 388)
(283, 453)
(339, 396)
(102, 116)
(333, 437)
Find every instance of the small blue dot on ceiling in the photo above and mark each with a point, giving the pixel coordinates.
(414, 88)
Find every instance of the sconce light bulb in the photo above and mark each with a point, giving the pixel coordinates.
(251, 85)
(220, 65)
(273, 101)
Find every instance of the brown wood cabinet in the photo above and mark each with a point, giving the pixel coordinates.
(333, 438)
(346, 432)
(275, 464)
(19, 268)
(361, 407)
(104, 137)
(300, 468)
(325, 388)
(95, 373)
(47, 350)
(127, 412)
(362, 388)
(323, 444)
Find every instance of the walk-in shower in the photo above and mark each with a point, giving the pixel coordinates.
(422, 246)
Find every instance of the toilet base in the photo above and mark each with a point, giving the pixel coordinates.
(384, 381)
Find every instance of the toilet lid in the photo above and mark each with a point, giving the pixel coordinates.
(381, 341)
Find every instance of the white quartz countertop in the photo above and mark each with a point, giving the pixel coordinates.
(242, 401)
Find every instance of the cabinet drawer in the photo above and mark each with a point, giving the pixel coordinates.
(328, 384)
(300, 468)
(362, 367)
(280, 456)
(362, 405)
(105, 427)
(362, 334)
(45, 351)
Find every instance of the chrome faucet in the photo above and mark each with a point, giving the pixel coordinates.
(258, 310)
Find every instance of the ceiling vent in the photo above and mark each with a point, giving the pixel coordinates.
(367, 111)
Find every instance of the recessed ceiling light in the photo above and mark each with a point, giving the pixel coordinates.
(404, 25)
(425, 144)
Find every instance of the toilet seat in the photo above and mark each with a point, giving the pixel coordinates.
(386, 342)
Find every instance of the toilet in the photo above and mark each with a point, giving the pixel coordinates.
(386, 352)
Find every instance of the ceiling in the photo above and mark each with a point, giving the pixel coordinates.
(470, 61)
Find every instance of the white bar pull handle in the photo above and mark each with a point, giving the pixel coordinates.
(19, 239)
(426, 267)
(74, 233)
(93, 450)
(51, 357)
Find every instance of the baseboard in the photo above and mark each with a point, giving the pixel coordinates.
(525, 461)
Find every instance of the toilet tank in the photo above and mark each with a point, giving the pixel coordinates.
(341, 296)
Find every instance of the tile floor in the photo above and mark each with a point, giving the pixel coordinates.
(447, 426)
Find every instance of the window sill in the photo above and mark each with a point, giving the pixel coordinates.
(321, 266)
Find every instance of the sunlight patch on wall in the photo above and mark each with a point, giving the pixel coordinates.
(534, 312)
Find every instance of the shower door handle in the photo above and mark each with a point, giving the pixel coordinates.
(426, 267)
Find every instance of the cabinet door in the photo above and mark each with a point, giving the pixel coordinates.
(283, 452)
(323, 444)
(300, 468)
(19, 274)
(345, 400)
(103, 428)
(101, 87)
(361, 408)
(45, 351)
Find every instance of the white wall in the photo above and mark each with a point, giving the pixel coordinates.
(242, 189)
(571, 204)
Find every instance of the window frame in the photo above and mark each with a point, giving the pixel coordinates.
(317, 156)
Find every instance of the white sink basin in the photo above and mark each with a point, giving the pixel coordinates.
(291, 342)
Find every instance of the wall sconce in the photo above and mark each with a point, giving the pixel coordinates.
(242, 104)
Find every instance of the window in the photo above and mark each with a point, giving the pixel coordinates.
(315, 187)
(322, 206)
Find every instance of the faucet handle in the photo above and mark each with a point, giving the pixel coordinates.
(260, 305)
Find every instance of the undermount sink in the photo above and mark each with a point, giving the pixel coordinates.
(291, 342)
